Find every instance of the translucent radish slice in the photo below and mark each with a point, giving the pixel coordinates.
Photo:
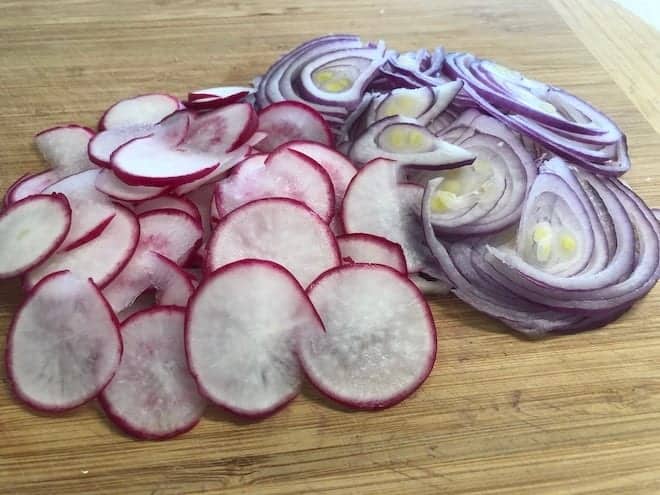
(108, 183)
(65, 148)
(30, 231)
(292, 121)
(153, 395)
(367, 248)
(222, 130)
(29, 185)
(100, 259)
(280, 230)
(379, 343)
(173, 285)
(91, 210)
(169, 203)
(139, 110)
(376, 204)
(171, 233)
(63, 345)
(284, 173)
(241, 329)
(212, 98)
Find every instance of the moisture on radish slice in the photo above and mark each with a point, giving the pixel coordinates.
(212, 98)
(241, 329)
(284, 173)
(379, 343)
(292, 121)
(31, 230)
(153, 395)
(368, 248)
(65, 148)
(139, 110)
(277, 229)
(29, 185)
(63, 345)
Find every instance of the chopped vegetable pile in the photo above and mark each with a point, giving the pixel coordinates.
(222, 248)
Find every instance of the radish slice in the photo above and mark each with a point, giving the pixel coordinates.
(100, 259)
(376, 204)
(91, 210)
(202, 198)
(153, 395)
(65, 148)
(173, 286)
(212, 98)
(241, 328)
(284, 173)
(139, 110)
(367, 248)
(31, 230)
(108, 183)
(256, 138)
(171, 233)
(276, 229)
(29, 185)
(170, 203)
(222, 130)
(63, 345)
(379, 343)
(292, 121)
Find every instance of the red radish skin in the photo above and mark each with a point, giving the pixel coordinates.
(63, 345)
(153, 396)
(65, 148)
(108, 183)
(368, 248)
(241, 328)
(284, 173)
(276, 229)
(379, 343)
(29, 185)
(169, 203)
(139, 110)
(90, 235)
(31, 230)
(292, 121)
(212, 98)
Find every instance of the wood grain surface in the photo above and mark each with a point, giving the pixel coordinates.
(499, 415)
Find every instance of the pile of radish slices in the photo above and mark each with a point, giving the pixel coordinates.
(223, 248)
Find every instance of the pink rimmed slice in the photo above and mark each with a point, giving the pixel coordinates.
(29, 185)
(108, 183)
(31, 230)
(223, 130)
(292, 121)
(379, 343)
(153, 395)
(284, 173)
(241, 329)
(139, 110)
(180, 203)
(375, 203)
(65, 148)
(171, 233)
(276, 229)
(63, 345)
(368, 248)
(212, 98)
(100, 259)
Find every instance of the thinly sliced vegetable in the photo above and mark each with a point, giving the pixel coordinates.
(65, 148)
(212, 98)
(108, 183)
(368, 248)
(29, 185)
(169, 203)
(139, 110)
(291, 121)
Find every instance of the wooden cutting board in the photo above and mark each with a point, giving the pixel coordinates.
(576, 414)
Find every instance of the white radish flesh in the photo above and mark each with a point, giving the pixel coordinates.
(29, 185)
(292, 121)
(139, 110)
(65, 148)
(169, 202)
(367, 248)
(108, 183)
(241, 329)
(63, 345)
(379, 343)
(222, 131)
(153, 395)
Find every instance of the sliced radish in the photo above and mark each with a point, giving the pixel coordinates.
(202, 198)
(284, 173)
(292, 121)
(63, 345)
(222, 130)
(276, 229)
(153, 395)
(139, 110)
(91, 210)
(212, 98)
(368, 248)
(65, 148)
(169, 202)
(31, 230)
(173, 285)
(171, 233)
(100, 259)
(375, 203)
(108, 183)
(241, 329)
(29, 185)
(256, 138)
(379, 343)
